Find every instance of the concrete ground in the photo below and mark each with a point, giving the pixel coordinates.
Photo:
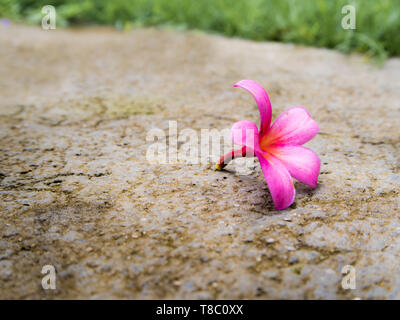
(77, 191)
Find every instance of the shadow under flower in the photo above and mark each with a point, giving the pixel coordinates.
(253, 191)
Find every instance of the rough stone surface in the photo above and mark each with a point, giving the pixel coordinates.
(78, 193)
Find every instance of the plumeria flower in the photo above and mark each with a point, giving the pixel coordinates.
(278, 147)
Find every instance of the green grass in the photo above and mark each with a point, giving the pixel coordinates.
(308, 22)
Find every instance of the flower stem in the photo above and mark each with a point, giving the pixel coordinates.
(227, 157)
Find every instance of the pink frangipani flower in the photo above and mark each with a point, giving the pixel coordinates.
(278, 147)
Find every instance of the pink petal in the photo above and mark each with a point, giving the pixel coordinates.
(301, 162)
(261, 97)
(279, 181)
(245, 133)
(294, 126)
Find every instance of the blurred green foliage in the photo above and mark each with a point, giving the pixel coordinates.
(309, 22)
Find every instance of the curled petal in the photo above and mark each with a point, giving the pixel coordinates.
(294, 126)
(245, 133)
(278, 179)
(262, 99)
(301, 162)
(229, 156)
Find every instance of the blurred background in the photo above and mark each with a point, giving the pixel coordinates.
(307, 22)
